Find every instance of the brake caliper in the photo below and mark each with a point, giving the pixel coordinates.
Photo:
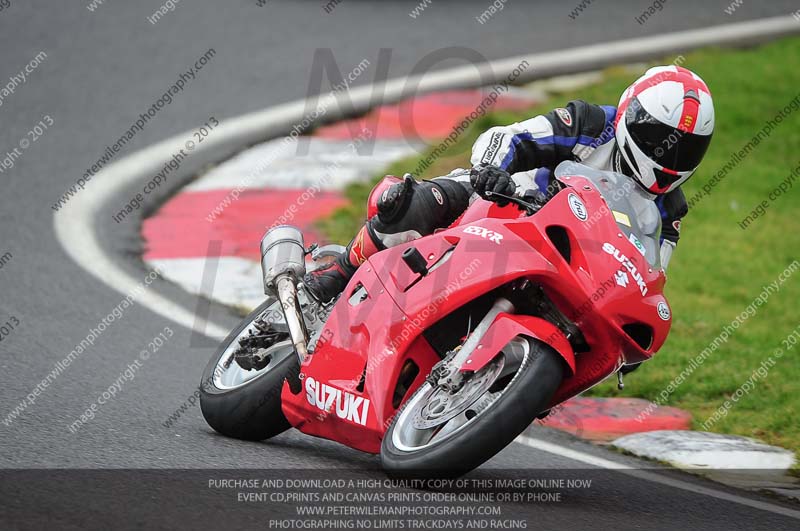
(251, 353)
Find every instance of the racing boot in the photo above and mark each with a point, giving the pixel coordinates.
(330, 280)
(327, 282)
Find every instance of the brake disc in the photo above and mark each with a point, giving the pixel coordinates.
(444, 405)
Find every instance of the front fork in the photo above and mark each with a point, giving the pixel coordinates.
(448, 373)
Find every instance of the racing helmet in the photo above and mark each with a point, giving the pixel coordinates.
(664, 124)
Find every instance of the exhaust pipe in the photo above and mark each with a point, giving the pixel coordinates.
(283, 264)
(287, 295)
(282, 253)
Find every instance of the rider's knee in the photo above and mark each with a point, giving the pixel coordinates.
(409, 209)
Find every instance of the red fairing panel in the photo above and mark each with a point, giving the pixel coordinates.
(370, 339)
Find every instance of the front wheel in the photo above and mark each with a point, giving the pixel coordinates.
(246, 404)
(443, 433)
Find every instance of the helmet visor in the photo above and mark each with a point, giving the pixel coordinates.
(665, 145)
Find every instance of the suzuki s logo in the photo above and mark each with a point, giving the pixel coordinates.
(627, 264)
(622, 278)
(491, 235)
(329, 399)
(577, 207)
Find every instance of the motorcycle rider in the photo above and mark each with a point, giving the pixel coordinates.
(658, 135)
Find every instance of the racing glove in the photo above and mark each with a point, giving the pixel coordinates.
(487, 178)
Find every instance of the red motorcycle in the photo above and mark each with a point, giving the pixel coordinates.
(442, 350)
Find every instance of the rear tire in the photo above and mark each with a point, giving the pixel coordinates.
(485, 435)
(251, 411)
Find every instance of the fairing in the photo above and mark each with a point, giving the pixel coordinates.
(377, 325)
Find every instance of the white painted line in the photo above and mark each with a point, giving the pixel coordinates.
(575, 455)
(599, 462)
(74, 228)
(74, 224)
(593, 57)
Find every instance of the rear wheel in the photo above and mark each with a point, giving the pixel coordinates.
(246, 404)
(443, 433)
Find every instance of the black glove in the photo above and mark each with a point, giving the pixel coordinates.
(487, 178)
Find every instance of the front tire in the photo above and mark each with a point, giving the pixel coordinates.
(484, 429)
(247, 404)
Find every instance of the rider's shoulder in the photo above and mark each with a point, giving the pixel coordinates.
(581, 113)
(586, 106)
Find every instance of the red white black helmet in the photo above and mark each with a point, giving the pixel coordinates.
(665, 120)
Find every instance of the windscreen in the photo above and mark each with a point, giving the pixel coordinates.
(636, 214)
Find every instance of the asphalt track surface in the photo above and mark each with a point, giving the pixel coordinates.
(102, 70)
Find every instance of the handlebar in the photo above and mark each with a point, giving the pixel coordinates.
(519, 200)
